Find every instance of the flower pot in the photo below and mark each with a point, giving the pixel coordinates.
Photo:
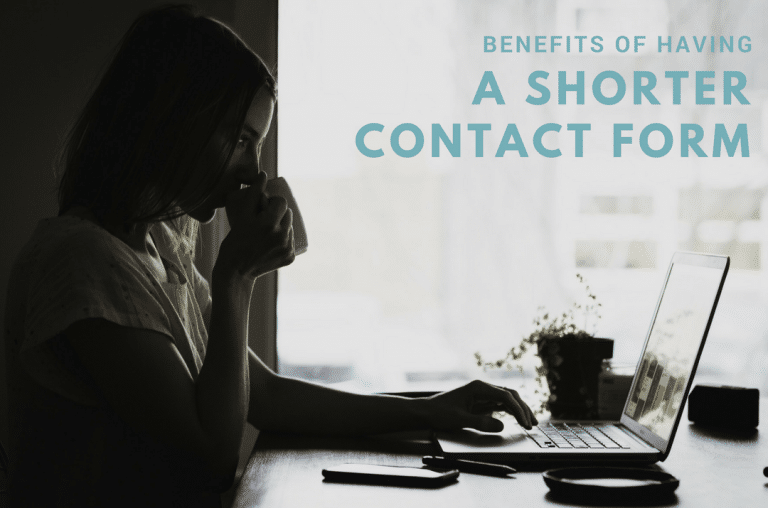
(572, 365)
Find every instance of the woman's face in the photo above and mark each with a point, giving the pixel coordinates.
(243, 167)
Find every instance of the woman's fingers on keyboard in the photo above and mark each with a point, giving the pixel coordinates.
(512, 405)
(518, 402)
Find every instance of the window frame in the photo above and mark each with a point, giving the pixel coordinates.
(256, 24)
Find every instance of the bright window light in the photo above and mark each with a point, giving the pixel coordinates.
(416, 263)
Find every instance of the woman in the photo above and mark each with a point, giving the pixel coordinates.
(130, 376)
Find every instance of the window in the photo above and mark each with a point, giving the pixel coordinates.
(416, 263)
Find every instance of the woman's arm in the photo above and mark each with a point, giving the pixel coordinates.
(292, 405)
(280, 403)
(143, 376)
(146, 382)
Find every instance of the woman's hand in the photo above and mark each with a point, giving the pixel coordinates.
(471, 406)
(261, 239)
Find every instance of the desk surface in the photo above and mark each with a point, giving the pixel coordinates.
(714, 470)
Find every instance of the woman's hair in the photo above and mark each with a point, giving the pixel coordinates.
(137, 152)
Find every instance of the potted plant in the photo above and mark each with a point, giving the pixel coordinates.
(570, 359)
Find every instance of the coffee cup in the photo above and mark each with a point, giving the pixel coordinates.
(279, 187)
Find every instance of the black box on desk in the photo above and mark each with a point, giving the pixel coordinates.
(613, 386)
(730, 407)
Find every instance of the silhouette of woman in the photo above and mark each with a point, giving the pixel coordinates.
(130, 376)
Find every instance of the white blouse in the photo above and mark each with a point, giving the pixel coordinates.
(72, 269)
(62, 432)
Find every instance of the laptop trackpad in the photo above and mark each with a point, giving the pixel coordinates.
(469, 440)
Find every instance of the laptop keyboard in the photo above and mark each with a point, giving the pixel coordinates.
(575, 435)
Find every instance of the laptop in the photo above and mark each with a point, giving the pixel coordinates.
(655, 402)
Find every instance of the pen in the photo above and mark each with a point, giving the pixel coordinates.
(469, 466)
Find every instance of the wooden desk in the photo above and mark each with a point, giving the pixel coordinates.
(285, 471)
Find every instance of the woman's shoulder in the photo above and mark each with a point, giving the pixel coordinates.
(72, 269)
(66, 234)
(73, 244)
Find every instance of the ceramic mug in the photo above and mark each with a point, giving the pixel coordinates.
(279, 187)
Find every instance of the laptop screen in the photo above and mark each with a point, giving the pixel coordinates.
(673, 346)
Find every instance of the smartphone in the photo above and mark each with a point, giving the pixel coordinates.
(391, 475)
(279, 187)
